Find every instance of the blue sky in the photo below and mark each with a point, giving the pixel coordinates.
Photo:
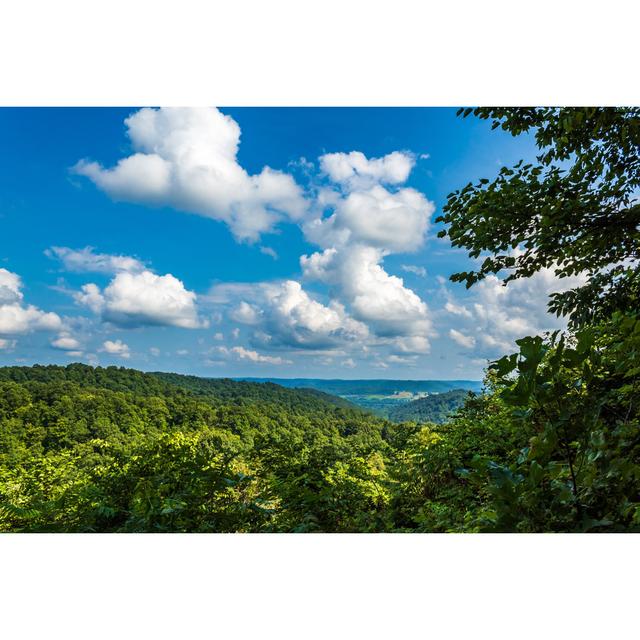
(163, 242)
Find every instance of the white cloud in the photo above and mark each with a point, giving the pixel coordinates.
(367, 223)
(405, 360)
(139, 299)
(418, 271)
(254, 356)
(86, 261)
(15, 316)
(520, 308)
(458, 310)
(245, 313)
(348, 363)
(412, 344)
(116, 348)
(392, 221)
(90, 296)
(268, 251)
(463, 340)
(497, 315)
(218, 336)
(297, 319)
(154, 351)
(372, 295)
(10, 287)
(7, 345)
(356, 170)
(186, 158)
(66, 342)
(284, 314)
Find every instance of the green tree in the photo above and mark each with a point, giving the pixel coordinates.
(575, 397)
(575, 210)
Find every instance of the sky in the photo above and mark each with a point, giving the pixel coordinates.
(267, 242)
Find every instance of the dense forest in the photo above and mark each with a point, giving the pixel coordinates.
(438, 407)
(551, 444)
(93, 449)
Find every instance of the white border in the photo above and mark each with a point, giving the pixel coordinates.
(334, 52)
(319, 586)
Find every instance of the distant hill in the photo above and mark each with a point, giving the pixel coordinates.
(236, 391)
(109, 449)
(372, 387)
(434, 408)
(213, 390)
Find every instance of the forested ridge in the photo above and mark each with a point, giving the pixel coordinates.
(551, 444)
(438, 407)
(114, 449)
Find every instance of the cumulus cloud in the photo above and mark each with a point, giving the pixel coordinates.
(457, 309)
(284, 314)
(10, 287)
(392, 221)
(246, 313)
(87, 261)
(363, 212)
(463, 340)
(144, 298)
(496, 315)
(116, 348)
(254, 356)
(412, 344)
(520, 308)
(15, 316)
(66, 342)
(366, 223)
(356, 170)
(91, 297)
(186, 158)
(7, 345)
(241, 353)
(305, 321)
(374, 297)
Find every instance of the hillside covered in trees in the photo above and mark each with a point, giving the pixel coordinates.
(93, 449)
(118, 450)
(437, 407)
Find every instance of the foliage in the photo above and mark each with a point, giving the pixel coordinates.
(575, 396)
(432, 408)
(85, 449)
(574, 211)
(578, 398)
